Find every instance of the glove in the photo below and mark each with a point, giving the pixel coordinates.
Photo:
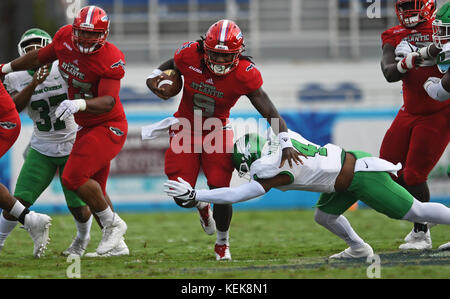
(5, 68)
(181, 190)
(403, 49)
(408, 62)
(430, 80)
(69, 107)
(435, 90)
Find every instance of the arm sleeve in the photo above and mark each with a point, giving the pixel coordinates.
(109, 87)
(228, 195)
(47, 54)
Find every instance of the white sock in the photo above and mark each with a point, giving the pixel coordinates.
(6, 227)
(83, 229)
(222, 238)
(428, 212)
(17, 209)
(339, 225)
(106, 216)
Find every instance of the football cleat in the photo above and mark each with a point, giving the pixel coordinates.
(112, 235)
(222, 252)
(78, 247)
(38, 226)
(206, 219)
(417, 241)
(119, 250)
(364, 251)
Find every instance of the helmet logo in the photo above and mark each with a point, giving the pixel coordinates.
(221, 47)
(87, 25)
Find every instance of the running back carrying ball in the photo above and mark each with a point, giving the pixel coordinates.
(172, 83)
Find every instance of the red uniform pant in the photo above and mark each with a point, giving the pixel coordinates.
(92, 152)
(211, 152)
(416, 141)
(9, 130)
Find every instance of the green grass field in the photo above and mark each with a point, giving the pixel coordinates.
(264, 245)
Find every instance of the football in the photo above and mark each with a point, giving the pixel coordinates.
(172, 82)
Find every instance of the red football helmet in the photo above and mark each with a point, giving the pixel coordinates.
(224, 44)
(412, 12)
(90, 29)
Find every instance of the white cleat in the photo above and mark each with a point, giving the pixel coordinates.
(445, 246)
(206, 219)
(78, 247)
(417, 241)
(38, 226)
(119, 250)
(222, 252)
(363, 251)
(112, 235)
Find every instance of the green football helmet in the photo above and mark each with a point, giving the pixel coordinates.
(441, 26)
(247, 150)
(31, 38)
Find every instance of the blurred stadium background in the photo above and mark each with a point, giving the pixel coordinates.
(320, 60)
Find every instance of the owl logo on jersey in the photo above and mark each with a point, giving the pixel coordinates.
(247, 150)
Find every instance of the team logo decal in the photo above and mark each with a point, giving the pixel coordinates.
(116, 131)
(7, 125)
(249, 67)
(118, 63)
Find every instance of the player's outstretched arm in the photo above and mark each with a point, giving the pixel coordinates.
(227, 195)
(29, 61)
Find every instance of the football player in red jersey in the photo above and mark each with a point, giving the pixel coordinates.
(36, 224)
(420, 132)
(93, 69)
(216, 75)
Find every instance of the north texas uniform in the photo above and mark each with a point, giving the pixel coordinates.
(371, 183)
(213, 96)
(421, 130)
(9, 121)
(52, 139)
(101, 136)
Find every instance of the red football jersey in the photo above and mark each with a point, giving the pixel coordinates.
(211, 94)
(6, 102)
(84, 71)
(415, 98)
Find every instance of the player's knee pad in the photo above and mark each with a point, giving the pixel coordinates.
(185, 204)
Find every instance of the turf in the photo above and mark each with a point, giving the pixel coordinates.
(264, 245)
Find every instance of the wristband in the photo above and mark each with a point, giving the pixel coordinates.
(400, 67)
(6, 68)
(425, 52)
(285, 141)
(155, 73)
(81, 104)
